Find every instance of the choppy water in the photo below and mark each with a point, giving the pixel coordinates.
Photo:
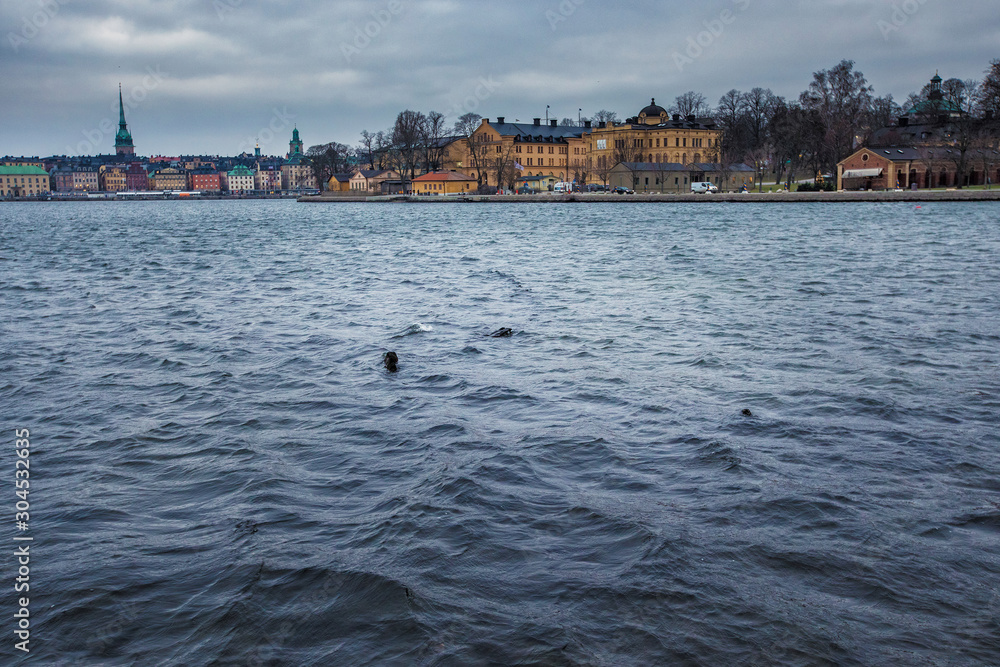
(223, 472)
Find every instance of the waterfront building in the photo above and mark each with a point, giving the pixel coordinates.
(168, 178)
(71, 178)
(240, 179)
(339, 183)
(676, 178)
(539, 149)
(368, 181)
(296, 173)
(204, 179)
(653, 136)
(917, 167)
(23, 180)
(123, 140)
(444, 183)
(136, 178)
(267, 179)
(112, 177)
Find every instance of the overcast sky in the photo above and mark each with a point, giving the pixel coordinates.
(209, 76)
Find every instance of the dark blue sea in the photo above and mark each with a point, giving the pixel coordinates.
(224, 473)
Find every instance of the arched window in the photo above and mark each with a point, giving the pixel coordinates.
(697, 157)
(684, 159)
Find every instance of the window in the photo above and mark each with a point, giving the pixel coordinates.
(602, 144)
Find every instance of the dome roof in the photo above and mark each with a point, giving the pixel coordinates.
(653, 110)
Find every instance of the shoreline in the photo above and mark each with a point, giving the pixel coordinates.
(917, 196)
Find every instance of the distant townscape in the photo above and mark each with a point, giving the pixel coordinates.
(837, 135)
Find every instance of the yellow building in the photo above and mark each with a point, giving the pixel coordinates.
(169, 178)
(369, 181)
(23, 181)
(112, 177)
(653, 136)
(444, 183)
(499, 149)
(339, 183)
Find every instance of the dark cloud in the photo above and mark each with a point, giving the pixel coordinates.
(209, 76)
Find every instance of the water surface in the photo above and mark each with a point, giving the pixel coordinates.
(225, 474)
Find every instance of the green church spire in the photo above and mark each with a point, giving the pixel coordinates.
(123, 140)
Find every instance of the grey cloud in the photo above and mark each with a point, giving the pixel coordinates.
(231, 63)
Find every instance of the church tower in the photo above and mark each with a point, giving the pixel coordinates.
(295, 145)
(123, 140)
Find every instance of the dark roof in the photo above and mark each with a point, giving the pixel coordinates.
(442, 142)
(341, 177)
(370, 173)
(676, 166)
(442, 176)
(653, 109)
(716, 166)
(530, 132)
(654, 166)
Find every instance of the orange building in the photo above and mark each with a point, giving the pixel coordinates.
(444, 183)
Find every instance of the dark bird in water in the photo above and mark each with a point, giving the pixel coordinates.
(502, 333)
(391, 362)
(747, 413)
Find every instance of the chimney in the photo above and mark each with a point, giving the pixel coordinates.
(486, 121)
(538, 121)
(691, 118)
(677, 117)
(500, 120)
(586, 124)
(904, 121)
(602, 124)
(554, 123)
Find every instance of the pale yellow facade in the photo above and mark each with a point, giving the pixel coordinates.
(112, 178)
(654, 137)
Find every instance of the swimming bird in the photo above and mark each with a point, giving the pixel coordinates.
(747, 413)
(391, 362)
(502, 333)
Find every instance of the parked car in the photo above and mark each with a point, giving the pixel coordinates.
(623, 191)
(704, 188)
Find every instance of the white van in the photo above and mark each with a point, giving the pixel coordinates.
(562, 187)
(703, 188)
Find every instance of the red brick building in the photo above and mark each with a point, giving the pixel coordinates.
(204, 180)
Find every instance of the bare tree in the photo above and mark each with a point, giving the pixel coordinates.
(501, 165)
(883, 113)
(601, 167)
(605, 116)
(626, 148)
(407, 137)
(327, 160)
(466, 127)
(690, 103)
(966, 129)
(985, 155)
(989, 93)
(367, 147)
(842, 97)
(434, 132)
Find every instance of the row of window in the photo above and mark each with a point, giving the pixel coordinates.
(563, 150)
(530, 162)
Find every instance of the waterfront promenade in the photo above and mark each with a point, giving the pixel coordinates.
(743, 198)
